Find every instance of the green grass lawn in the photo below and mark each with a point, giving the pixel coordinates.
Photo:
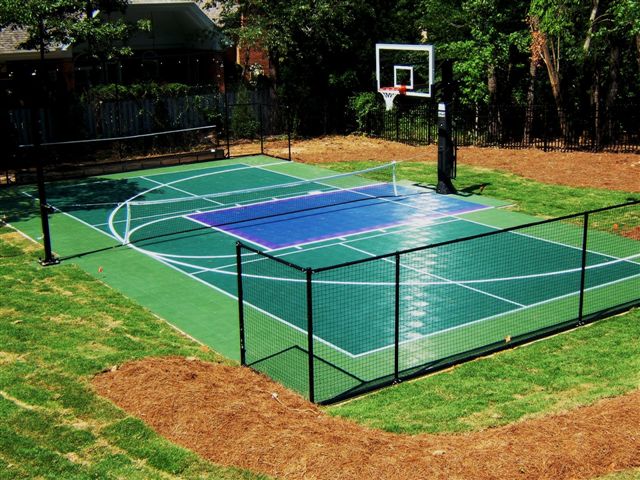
(59, 326)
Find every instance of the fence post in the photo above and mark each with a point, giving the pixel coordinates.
(289, 128)
(397, 118)
(309, 273)
(243, 354)
(261, 129)
(583, 269)
(227, 122)
(544, 129)
(396, 346)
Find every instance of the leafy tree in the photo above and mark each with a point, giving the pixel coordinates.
(321, 51)
(63, 22)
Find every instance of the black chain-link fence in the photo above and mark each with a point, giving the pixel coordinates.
(334, 332)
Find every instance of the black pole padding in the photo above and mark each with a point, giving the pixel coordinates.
(446, 145)
(446, 152)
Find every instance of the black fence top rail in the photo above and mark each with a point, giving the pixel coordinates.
(271, 257)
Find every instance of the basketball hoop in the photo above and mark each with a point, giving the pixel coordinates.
(390, 93)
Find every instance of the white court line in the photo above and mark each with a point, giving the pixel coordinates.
(410, 283)
(224, 292)
(179, 189)
(206, 174)
(492, 317)
(446, 280)
(76, 219)
(341, 243)
(264, 247)
(553, 242)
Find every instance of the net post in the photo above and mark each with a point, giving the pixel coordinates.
(309, 274)
(396, 335)
(49, 258)
(243, 352)
(127, 224)
(583, 268)
(261, 129)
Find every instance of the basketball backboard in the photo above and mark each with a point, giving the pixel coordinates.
(405, 66)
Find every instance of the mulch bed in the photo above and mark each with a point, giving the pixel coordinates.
(234, 416)
(614, 171)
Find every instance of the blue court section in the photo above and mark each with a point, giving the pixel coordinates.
(300, 220)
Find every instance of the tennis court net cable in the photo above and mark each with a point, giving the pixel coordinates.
(146, 219)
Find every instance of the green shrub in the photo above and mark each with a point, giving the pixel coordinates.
(364, 105)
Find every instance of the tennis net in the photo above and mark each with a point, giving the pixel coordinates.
(146, 219)
(81, 155)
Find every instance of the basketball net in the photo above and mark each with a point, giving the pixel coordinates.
(390, 93)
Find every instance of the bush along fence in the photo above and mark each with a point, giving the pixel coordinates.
(334, 332)
(510, 126)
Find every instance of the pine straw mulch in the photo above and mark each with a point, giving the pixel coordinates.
(615, 171)
(234, 416)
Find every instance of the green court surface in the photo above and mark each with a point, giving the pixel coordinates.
(180, 261)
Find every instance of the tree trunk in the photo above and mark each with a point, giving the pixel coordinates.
(638, 49)
(592, 19)
(531, 98)
(551, 59)
(614, 86)
(595, 102)
(494, 116)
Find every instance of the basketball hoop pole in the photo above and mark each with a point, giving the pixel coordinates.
(446, 148)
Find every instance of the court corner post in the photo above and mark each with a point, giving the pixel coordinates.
(396, 335)
(583, 267)
(309, 274)
(243, 353)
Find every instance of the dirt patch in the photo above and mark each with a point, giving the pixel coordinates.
(234, 416)
(614, 171)
(634, 233)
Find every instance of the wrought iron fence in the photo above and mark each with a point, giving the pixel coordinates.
(217, 132)
(334, 332)
(617, 129)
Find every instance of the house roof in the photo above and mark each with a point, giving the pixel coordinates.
(177, 23)
(10, 40)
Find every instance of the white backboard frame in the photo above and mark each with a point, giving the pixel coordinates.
(408, 47)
